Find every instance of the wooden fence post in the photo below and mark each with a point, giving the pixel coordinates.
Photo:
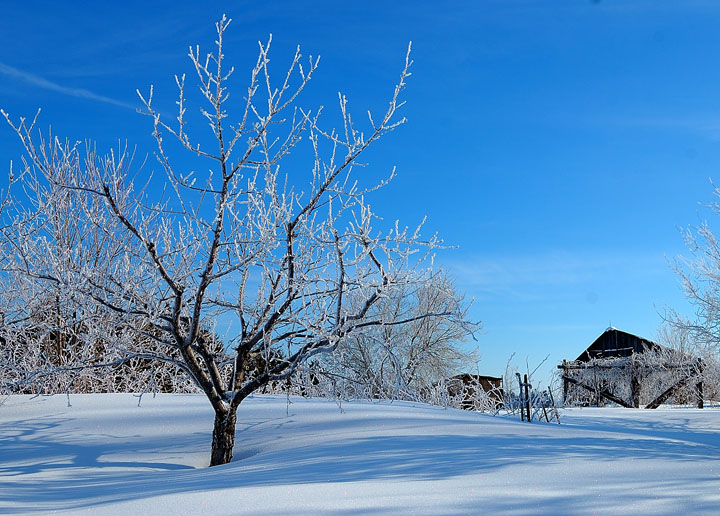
(527, 398)
(522, 413)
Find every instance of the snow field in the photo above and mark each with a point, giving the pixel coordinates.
(105, 455)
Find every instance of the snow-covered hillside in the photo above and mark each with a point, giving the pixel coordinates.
(106, 455)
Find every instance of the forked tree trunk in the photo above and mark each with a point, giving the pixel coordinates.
(223, 438)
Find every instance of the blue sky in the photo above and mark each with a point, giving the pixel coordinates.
(559, 145)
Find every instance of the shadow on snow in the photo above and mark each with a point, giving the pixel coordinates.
(80, 476)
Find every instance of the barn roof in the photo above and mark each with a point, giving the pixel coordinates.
(615, 343)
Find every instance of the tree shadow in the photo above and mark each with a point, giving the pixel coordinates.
(666, 425)
(39, 445)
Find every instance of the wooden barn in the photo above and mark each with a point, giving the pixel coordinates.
(623, 368)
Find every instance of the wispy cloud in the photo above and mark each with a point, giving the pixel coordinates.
(704, 125)
(40, 82)
(654, 5)
(556, 275)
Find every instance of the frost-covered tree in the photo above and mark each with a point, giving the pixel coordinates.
(286, 261)
(406, 360)
(54, 339)
(699, 273)
(10, 369)
(679, 334)
(700, 276)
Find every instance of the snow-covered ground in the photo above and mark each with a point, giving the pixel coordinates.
(106, 455)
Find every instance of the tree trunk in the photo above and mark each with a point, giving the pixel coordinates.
(223, 439)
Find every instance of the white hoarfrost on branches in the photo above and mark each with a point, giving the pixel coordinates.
(55, 339)
(407, 361)
(700, 277)
(284, 266)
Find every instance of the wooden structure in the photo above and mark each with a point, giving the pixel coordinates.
(615, 354)
(469, 384)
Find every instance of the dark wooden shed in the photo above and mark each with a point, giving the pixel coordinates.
(468, 385)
